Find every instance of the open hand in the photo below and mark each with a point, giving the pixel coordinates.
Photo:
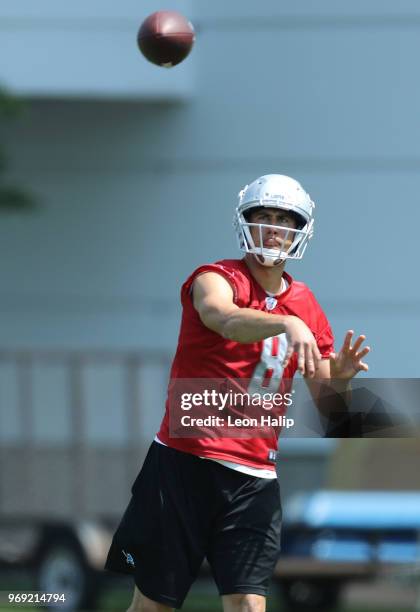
(348, 362)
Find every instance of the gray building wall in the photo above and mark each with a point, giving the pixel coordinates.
(135, 194)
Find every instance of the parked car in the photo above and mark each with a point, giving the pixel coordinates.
(333, 537)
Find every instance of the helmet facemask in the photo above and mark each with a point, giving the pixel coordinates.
(292, 242)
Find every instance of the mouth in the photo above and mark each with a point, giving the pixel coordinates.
(278, 242)
(273, 243)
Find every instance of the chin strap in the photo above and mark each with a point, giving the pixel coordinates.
(267, 261)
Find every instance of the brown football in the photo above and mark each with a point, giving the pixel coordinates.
(165, 38)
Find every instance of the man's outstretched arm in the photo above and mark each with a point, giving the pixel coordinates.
(213, 300)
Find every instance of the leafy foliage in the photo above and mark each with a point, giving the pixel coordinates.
(12, 197)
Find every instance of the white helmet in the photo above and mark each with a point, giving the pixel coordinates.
(275, 191)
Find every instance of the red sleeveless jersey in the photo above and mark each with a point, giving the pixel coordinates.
(204, 354)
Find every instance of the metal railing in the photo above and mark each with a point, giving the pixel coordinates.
(66, 474)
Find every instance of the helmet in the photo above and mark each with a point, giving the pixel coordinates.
(274, 191)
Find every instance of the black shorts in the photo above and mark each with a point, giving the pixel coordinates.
(184, 509)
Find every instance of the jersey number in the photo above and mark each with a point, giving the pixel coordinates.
(269, 370)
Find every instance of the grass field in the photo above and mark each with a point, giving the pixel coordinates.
(214, 606)
(197, 603)
(203, 598)
(118, 601)
(211, 603)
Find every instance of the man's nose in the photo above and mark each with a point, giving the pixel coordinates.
(272, 231)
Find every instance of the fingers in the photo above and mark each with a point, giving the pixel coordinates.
(362, 353)
(347, 341)
(316, 358)
(347, 347)
(349, 360)
(309, 361)
(287, 357)
(359, 356)
(358, 343)
(308, 358)
(301, 341)
(301, 358)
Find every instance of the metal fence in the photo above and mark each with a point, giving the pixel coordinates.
(74, 428)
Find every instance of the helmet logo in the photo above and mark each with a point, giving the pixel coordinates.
(276, 196)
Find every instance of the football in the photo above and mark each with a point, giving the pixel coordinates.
(165, 38)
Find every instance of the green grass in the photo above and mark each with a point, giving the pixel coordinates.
(211, 604)
(118, 599)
